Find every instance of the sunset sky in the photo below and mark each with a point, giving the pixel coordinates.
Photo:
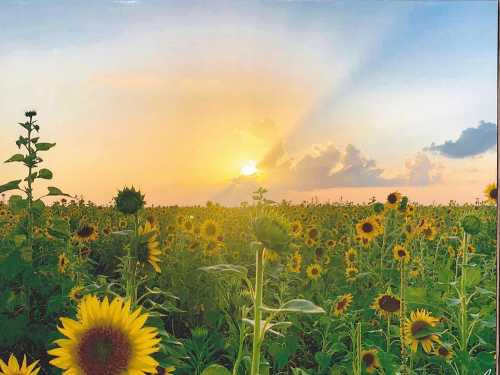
(328, 99)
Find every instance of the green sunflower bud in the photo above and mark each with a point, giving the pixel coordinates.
(378, 207)
(272, 233)
(471, 224)
(403, 204)
(129, 200)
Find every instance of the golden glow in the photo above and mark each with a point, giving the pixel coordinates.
(249, 169)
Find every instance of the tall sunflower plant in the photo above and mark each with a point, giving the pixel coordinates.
(271, 233)
(32, 146)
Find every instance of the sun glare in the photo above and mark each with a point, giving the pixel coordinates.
(249, 168)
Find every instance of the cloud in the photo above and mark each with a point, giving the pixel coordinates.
(472, 141)
(325, 167)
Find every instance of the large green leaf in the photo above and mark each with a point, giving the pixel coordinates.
(226, 268)
(12, 185)
(44, 146)
(16, 157)
(56, 191)
(297, 306)
(45, 174)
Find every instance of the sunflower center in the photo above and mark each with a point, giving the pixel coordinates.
(494, 193)
(389, 303)
(368, 359)
(314, 271)
(313, 233)
(418, 327)
(341, 304)
(392, 198)
(401, 253)
(85, 231)
(104, 351)
(367, 227)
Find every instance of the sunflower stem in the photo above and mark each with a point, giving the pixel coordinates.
(257, 334)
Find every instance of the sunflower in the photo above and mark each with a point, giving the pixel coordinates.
(75, 294)
(12, 367)
(351, 256)
(166, 370)
(313, 234)
(314, 271)
(212, 247)
(401, 254)
(86, 233)
(296, 228)
(351, 272)
(370, 360)
(418, 329)
(270, 255)
(393, 199)
(429, 232)
(62, 263)
(148, 248)
(342, 304)
(188, 226)
(410, 210)
(444, 352)
(369, 228)
(106, 339)
(295, 263)
(209, 230)
(491, 193)
(386, 304)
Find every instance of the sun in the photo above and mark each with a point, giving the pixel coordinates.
(249, 169)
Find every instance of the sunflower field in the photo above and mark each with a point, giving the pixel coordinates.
(390, 287)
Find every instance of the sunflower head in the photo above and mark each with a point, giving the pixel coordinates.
(386, 305)
(471, 224)
(129, 200)
(342, 304)
(148, 247)
(444, 352)
(272, 232)
(295, 262)
(62, 263)
(368, 228)
(393, 199)
(419, 329)
(378, 207)
(313, 271)
(106, 339)
(370, 360)
(401, 254)
(13, 367)
(491, 193)
(209, 230)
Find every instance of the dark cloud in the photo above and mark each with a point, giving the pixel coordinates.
(472, 141)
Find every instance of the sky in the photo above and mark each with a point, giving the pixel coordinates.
(334, 100)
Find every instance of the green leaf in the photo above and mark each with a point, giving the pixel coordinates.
(45, 174)
(297, 306)
(472, 276)
(229, 268)
(216, 370)
(42, 146)
(12, 185)
(16, 157)
(56, 191)
(17, 203)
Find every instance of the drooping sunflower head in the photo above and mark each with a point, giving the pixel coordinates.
(491, 193)
(76, 293)
(209, 230)
(129, 200)
(418, 329)
(444, 352)
(148, 248)
(401, 253)
(342, 304)
(272, 231)
(370, 360)
(295, 263)
(106, 339)
(471, 224)
(386, 305)
(13, 367)
(313, 271)
(86, 233)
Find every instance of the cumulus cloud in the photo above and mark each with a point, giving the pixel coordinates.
(472, 141)
(326, 166)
